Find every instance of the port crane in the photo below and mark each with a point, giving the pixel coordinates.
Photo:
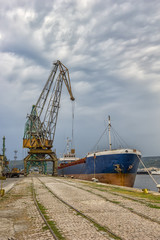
(40, 126)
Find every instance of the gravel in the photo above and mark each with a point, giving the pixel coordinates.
(119, 220)
(71, 225)
(20, 220)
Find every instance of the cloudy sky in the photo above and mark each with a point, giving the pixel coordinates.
(112, 51)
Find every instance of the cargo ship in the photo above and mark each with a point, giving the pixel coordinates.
(113, 166)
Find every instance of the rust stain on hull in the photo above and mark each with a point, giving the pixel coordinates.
(120, 179)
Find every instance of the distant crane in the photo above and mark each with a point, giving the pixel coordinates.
(41, 123)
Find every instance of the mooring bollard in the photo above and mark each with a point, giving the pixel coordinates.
(145, 190)
(95, 180)
(2, 191)
(158, 186)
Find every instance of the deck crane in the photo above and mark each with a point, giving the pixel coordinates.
(41, 123)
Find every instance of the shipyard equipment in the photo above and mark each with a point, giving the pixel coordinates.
(7, 172)
(12, 173)
(41, 123)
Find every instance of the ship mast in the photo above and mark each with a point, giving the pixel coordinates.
(68, 141)
(109, 130)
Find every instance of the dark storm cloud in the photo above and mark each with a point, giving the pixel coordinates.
(112, 51)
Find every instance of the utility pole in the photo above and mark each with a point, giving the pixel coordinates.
(4, 148)
(5, 162)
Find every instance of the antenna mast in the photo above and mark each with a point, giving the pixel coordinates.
(109, 130)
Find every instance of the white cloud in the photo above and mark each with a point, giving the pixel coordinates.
(83, 87)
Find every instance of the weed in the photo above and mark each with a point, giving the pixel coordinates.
(52, 224)
(114, 201)
(153, 206)
(45, 228)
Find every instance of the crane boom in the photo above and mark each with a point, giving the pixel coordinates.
(44, 94)
(41, 124)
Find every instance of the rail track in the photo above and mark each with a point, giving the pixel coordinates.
(127, 219)
(114, 202)
(78, 210)
(102, 230)
(42, 215)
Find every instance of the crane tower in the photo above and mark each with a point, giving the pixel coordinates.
(40, 127)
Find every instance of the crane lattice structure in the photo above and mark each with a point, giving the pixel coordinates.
(41, 123)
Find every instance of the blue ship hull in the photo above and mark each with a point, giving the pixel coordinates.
(117, 167)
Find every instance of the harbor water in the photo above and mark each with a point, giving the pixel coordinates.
(145, 181)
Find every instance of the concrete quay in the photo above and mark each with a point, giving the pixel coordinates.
(104, 211)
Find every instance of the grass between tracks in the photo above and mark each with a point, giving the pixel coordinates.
(153, 199)
(99, 227)
(51, 223)
(148, 199)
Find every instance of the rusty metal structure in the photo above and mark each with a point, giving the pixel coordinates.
(41, 122)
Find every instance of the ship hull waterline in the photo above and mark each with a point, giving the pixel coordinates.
(120, 179)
